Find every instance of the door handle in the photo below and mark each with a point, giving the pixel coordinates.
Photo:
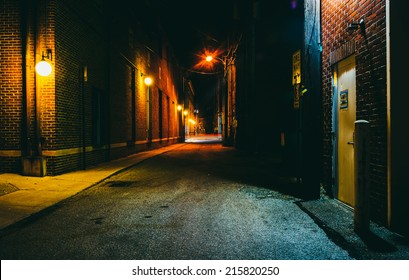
(350, 142)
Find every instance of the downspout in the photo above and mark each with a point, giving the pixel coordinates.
(83, 124)
(37, 138)
(388, 108)
(108, 83)
(25, 27)
(225, 94)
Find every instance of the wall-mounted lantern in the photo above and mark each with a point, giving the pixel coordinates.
(148, 81)
(44, 68)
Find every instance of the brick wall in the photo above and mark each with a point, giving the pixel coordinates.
(370, 51)
(115, 49)
(11, 78)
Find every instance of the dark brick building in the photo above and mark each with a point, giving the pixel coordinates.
(361, 81)
(94, 106)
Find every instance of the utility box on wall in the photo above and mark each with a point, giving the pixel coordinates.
(34, 166)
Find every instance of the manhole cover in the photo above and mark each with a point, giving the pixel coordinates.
(119, 184)
(6, 188)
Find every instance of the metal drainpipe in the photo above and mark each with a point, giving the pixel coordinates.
(37, 138)
(388, 98)
(25, 27)
(108, 85)
(83, 128)
(225, 93)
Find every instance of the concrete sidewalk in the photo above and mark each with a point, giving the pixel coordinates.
(337, 220)
(26, 196)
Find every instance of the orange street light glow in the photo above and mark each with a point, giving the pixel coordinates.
(208, 59)
(148, 81)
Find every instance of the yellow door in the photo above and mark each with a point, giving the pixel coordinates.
(346, 126)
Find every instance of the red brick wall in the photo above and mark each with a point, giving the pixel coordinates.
(81, 34)
(75, 44)
(11, 86)
(10, 74)
(370, 84)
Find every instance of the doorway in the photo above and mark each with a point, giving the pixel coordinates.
(346, 111)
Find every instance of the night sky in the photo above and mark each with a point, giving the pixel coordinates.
(193, 26)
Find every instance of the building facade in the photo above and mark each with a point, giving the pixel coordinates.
(95, 105)
(189, 112)
(361, 81)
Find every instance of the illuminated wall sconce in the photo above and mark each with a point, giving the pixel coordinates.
(179, 108)
(148, 81)
(185, 112)
(356, 25)
(43, 68)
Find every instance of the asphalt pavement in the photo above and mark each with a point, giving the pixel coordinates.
(23, 198)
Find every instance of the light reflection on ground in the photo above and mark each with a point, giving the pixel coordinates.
(204, 138)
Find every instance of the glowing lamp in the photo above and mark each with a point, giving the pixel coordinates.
(43, 68)
(209, 58)
(179, 107)
(148, 81)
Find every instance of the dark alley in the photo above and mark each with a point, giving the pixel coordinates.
(201, 201)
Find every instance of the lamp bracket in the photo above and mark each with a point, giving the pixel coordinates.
(49, 55)
(357, 25)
